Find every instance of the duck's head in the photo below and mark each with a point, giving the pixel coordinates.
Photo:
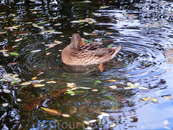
(75, 41)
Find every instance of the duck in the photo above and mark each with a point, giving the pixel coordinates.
(80, 53)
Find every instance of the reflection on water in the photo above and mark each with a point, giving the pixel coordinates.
(133, 91)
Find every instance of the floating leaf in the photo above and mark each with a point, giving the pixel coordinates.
(19, 39)
(39, 85)
(65, 115)
(94, 90)
(84, 87)
(3, 13)
(103, 7)
(25, 83)
(105, 114)
(100, 116)
(168, 97)
(19, 100)
(109, 46)
(75, 21)
(55, 32)
(71, 85)
(34, 51)
(42, 22)
(57, 42)
(48, 53)
(83, 2)
(89, 128)
(51, 45)
(112, 125)
(154, 99)
(142, 87)
(51, 82)
(3, 32)
(86, 122)
(92, 121)
(130, 85)
(34, 78)
(12, 63)
(113, 87)
(147, 64)
(51, 111)
(14, 53)
(110, 97)
(57, 24)
(28, 23)
(4, 104)
(145, 99)
(35, 25)
(6, 91)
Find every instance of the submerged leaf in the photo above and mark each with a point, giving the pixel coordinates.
(110, 97)
(51, 111)
(111, 80)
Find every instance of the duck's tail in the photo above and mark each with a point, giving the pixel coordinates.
(116, 51)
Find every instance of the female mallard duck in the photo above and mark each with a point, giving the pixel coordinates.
(78, 53)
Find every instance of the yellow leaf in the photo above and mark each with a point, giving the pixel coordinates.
(145, 99)
(51, 111)
(154, 99)
(71, 85)
(48, 53)
(39, 85)
(113, 125)
(111, 80)
(34, 78)
(127, 88)
(51, 82)
(168, 97)
(108, 33)
(65, 115)
(86, 122)
(26, 83)
(143, 88)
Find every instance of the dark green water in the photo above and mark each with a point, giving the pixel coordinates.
(133, 92)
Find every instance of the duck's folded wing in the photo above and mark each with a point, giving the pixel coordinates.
(104, 51)
(89, 46)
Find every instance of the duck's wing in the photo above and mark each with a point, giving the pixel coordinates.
(107, 51)
(89, 46)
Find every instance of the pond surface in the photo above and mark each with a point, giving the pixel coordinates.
(134, 90)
